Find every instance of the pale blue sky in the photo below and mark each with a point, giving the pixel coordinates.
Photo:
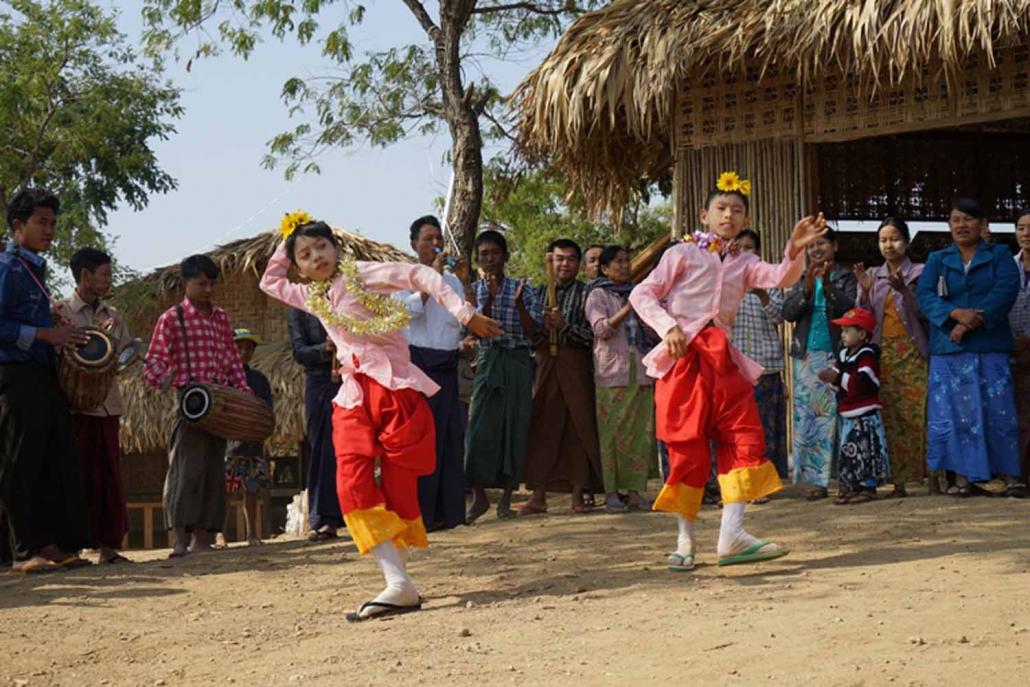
(233, 108)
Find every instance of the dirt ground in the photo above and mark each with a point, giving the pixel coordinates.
(923, 591)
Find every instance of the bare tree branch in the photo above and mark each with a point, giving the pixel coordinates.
(528, 6)
(419, 10)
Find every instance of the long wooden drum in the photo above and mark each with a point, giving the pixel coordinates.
(87, 372)
(227, 412)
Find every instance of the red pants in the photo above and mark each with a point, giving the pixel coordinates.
(396, 427)
(706, 398)
(97, 438)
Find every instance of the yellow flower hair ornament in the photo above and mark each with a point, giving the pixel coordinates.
(291, 221)
(730, 182)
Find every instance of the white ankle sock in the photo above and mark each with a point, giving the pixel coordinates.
(732, 537)
(685, 539)
(400, 590)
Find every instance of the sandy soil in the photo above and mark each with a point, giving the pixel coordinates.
(923, 591)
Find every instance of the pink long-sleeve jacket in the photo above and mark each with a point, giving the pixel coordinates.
(384, 358)
(700, 288)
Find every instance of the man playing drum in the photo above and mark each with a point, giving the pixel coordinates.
(193, 342)
(40, 474)
(96, 429)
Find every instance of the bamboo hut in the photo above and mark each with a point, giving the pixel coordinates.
(147, 422)
(860, 108)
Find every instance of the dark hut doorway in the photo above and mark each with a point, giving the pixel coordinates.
(915, 176)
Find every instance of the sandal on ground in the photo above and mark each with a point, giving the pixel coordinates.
(37, 565)
(679, 562)
(178, 554)
(760, 501)
(952, 490)
(994, 487)
(1016, 490)
(321, 535)
(588, 500)
(506, 513)
(529, 508)
(639, 504)
(582, 508)
(962, 491)
(817, 494)
(115, 559)
(754, 554)
(899, 492)
(385, 610)
(617, 508)
(861, 497)
(843, 498)
(73, 561)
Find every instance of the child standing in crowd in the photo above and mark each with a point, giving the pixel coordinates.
(863, 462)
(381, 411)
(502, 396)
(193, 342)
(40, 474)
(246, 467)
(705, 386)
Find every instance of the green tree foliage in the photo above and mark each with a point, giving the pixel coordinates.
(379, 96)
(531, 209)
(78, 112)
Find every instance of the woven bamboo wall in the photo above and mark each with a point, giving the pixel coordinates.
(753, 106)
(781, 174)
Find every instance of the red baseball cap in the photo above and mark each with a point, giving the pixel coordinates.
(857, 317)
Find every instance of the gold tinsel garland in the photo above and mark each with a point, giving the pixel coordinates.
(388, 315)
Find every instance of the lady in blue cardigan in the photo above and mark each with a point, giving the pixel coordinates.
(966, 291)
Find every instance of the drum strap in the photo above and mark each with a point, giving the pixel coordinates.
(39, 284)
(185, 344)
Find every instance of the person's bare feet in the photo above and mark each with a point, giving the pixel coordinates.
(36, 564)
(254, 541)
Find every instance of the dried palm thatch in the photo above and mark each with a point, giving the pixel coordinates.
(147, 424)
(601, 105)
(252, 255)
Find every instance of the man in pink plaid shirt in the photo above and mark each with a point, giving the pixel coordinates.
(193, 342)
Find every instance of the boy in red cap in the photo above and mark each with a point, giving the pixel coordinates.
(863, 463)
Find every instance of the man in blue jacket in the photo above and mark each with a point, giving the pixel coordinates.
(41, 492)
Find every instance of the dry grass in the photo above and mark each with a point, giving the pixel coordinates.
(600, 106)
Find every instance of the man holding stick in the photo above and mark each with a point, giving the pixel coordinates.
(563, 454)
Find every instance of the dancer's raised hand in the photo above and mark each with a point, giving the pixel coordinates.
(807, 230)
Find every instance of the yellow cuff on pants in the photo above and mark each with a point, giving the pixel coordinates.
(747, 484)
(680, 499)
(370, 527)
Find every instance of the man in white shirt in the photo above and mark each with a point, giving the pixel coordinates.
(435, 339)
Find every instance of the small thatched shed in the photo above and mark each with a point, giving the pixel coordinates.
(860, 108)
(149, 413)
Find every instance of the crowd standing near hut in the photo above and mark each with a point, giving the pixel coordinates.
(577, 382)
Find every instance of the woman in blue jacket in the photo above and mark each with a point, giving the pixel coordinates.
(966, 291)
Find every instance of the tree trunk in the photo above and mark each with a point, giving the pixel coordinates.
(463, 120)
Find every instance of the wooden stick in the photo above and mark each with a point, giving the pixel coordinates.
(552, 302)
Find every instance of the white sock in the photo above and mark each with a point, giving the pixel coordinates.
(400, 590)
(685, 539)
(732, 537)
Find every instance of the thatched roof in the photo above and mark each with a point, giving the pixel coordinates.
(252, 254)
(601, 105)
(150, 413)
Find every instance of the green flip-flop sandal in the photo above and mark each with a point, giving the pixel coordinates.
(680, 562)
(753, 554)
